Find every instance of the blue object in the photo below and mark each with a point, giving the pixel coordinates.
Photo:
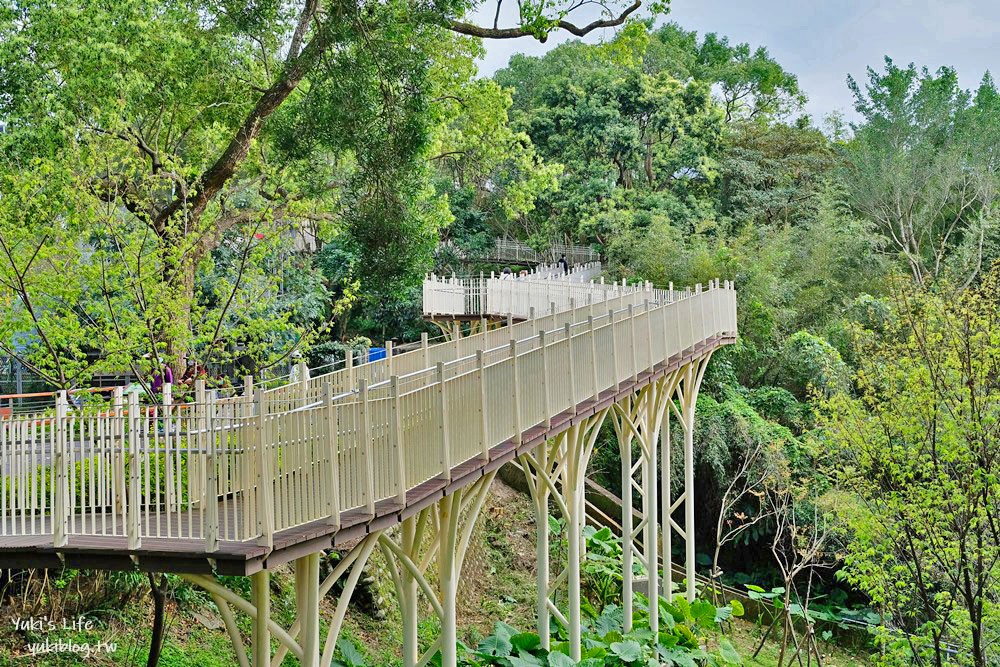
(376, 353)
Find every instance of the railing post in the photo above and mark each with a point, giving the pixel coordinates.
(425, 349)
(593, 355)
(443, 426)
(60, 505)
(568, 332)
(349, 366)
(666, 335)
(333, 451)
(516, 393)
(632, 343)
(690, 308)
(211, 479)
(195, 462)
(484, 437)
(247, 395)
(388, 357)
(303, 381)
(265, 478)
(649, 336)
(133, 500)
(396, 439)
(677, 326)
(546, 401)
(118, 450)
(614, 350)
(367, 465)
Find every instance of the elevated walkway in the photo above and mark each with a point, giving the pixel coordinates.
(238, 484)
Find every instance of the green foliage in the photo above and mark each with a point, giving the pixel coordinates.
(920, 168)
(602, 566)
(916, 451)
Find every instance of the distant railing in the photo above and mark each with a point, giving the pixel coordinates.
(240, 469)
(518, 252)
(508, 294)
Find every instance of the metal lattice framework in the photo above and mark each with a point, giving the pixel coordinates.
(397, 454)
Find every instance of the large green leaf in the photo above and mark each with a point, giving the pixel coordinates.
(495, 646)
(561, 660)
(628, 650)
(350, 653)
(728, 653)
(526, 641)
(703, 612)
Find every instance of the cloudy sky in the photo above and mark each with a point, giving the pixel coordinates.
(823, 41)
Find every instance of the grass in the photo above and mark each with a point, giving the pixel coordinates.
(746, 637)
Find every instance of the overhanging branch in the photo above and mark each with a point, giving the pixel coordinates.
(513, 33)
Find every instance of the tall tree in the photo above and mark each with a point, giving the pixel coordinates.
(919, 449)
(924, 167)
(169, 125)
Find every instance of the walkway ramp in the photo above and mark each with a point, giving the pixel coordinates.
(238, 484)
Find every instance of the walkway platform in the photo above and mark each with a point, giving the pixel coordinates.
(185, 552)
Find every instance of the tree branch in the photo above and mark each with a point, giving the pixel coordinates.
(213, 180)
(513, 33)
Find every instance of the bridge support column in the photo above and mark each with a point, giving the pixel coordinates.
(307, 607)
(688, 384)
(260, 638)
(302, 639)
(438, 533)
(557, 471)
(638, 418)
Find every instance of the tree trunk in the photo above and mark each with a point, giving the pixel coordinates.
(159, 595)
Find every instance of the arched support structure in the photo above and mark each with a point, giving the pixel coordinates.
(302, 639)
(557, 471)
(437, 534)
(687, 385)
(638, 419)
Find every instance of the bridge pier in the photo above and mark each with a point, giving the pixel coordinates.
(302, 639)
(260, 638)
(688, 384)
(439, 533)
(639, 418)
(558, 471)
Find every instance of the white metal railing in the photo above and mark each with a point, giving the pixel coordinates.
(238, 469)
(508, 294)
(518, 252)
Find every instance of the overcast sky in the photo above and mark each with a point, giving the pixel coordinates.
(822, 42)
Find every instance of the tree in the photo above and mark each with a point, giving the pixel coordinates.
(634, 145)
(752, 85)
(170, 126)
(919, 449)
(923, 167)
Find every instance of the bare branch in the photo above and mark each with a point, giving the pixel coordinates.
(513, 33)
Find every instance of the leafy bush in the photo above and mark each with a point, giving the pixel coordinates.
(682, 641)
